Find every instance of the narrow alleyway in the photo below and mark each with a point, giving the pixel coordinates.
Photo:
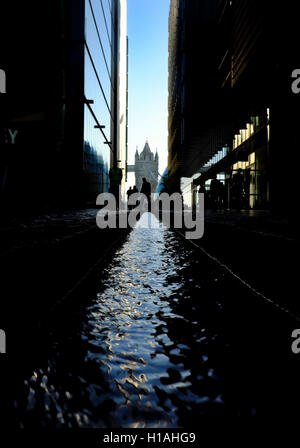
(167, 337)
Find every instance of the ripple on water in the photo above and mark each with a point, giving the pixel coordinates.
(136, 356)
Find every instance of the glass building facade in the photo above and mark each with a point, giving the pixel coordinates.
(98, 84)
(67, 111)
(231, 102)
(105, 84)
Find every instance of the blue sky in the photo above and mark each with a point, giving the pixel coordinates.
(148, 76)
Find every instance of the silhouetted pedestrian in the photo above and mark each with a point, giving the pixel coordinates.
(146, 190)
(215, 192)
(202, 188)
(237, 189)
(134, 191)
(129, 193)
(115, 178)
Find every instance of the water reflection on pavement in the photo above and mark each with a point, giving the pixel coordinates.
(154, 347)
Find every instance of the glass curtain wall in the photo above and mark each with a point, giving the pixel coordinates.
(97, 88)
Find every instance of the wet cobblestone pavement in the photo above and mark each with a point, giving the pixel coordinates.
(167, 337)
(45, 229)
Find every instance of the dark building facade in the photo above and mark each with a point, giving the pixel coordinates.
(59, 62)
(231, 105)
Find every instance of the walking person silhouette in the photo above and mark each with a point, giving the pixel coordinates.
(146, 190)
